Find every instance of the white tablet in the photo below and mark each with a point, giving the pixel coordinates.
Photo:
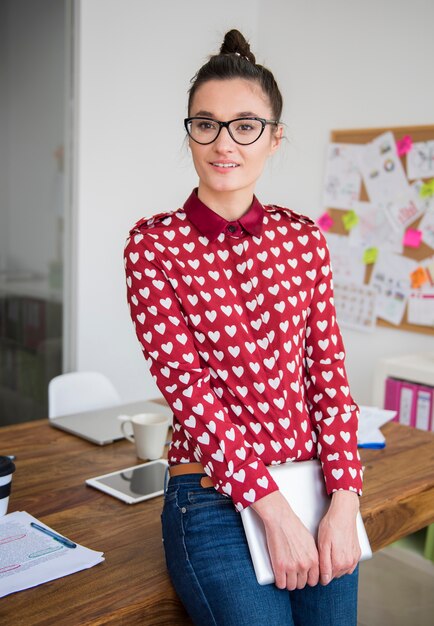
(133, 484)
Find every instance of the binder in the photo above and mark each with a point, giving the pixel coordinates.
(392, 396)
(424, 405)
(407, 404)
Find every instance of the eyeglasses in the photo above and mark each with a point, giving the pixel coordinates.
(243, 130)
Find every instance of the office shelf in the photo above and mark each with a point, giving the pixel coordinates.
(416, 368)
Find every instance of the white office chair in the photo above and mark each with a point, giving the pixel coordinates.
(80, 391)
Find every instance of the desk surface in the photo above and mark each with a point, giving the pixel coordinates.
(131, 586)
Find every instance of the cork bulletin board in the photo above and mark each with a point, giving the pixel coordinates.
(364, 136)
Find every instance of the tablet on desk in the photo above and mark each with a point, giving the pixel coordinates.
(133, 484)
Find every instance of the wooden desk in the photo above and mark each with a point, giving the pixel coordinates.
(131, 587)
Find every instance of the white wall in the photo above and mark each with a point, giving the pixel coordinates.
(340, 64)
(135, 62)
(348, 65)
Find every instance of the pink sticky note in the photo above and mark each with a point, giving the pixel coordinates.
(412, 238)
(404, 145)
(325, 222)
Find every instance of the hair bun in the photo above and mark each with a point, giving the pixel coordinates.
(235, 43)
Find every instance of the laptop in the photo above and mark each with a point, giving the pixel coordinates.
(302, 484)
(102, 426)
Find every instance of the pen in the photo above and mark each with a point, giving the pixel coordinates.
(372, 446)
(65, 542)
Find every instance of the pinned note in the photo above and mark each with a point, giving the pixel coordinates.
(404, 145)
(350, 219)
(420, 160)
(370, 256)
(427, 189)
(412, 238)
(418, 278)
(325, 222)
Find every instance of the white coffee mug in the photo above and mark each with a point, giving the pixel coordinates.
(149, 433)
(7, 468)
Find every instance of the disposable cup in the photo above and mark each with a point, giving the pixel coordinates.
(7, 468)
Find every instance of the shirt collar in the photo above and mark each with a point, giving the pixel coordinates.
(212, 225)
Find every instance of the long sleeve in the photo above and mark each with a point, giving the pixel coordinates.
(333, 411)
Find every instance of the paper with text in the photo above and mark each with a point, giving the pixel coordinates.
(383, 174)
(375, 229)
(342, 177)
(391, 277)
(347, 262)
(421, 308)
(28, 557)
(420, 160)
(355, 306)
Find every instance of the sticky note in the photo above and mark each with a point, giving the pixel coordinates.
(404, 145)
(325, 222)
(350, 219)
(370, 256)
(412, 238)
(418, 278)
(427, 189)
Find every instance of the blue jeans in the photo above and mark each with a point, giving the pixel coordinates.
(210, 567)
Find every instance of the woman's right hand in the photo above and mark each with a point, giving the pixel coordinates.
(293, 553)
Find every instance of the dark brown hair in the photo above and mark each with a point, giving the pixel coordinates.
(235, 60)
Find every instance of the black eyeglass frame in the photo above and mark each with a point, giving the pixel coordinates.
(263, 121)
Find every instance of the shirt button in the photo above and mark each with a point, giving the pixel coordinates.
(183, 510)
(232, 228)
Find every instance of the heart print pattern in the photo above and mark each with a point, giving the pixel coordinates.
(241, 338)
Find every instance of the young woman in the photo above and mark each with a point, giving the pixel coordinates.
(233, 306)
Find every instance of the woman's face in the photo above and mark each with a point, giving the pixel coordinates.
(225, 100)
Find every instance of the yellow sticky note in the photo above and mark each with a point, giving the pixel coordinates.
(370, 256)
(427, 189)
(350, 219)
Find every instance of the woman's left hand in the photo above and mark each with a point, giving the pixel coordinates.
(338, 544)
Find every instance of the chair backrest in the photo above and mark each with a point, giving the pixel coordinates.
(80, 391)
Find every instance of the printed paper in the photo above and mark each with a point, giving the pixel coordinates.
(407, 208)
(382, 170)
(342, 178)
(391, 279)
(420, 160)
(29, 557)
(421, 308)
(355, 306)
(347, 262)
(427, 227)
(375, 229)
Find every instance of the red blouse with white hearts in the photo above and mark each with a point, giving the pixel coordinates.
(239, 330)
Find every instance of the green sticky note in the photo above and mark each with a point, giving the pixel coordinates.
(350, 219)
(427, 189)
(370, 256)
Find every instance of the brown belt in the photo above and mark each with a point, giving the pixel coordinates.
(190, 468)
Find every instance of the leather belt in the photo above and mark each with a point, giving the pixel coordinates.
(190, 468)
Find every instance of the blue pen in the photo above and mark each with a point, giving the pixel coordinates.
(65, 542)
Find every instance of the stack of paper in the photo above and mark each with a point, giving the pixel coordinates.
(370, 421)
(29, 557)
